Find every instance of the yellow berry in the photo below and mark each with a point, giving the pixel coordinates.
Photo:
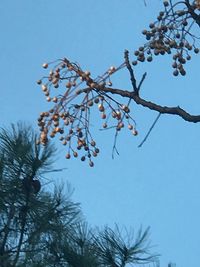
(121, 125)
(103, 116)
(130, 127)
(91, 164)
(87, 73)
(104, 125)
(90, 103)
(44, 88)
(101, 107)
(68, 85)
(111, 70)
(52, 135)
(93, 143)
(118, 114)
(125, 108)
(67, 156)
(135, 132)
(45, 65)
(114, 114)
(92, 85)
(75, 154)
(55, 81)
(39, 82)
(94, 154)
(83, 158)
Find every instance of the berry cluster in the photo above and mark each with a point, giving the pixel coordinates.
(70, 116)
(170, 34)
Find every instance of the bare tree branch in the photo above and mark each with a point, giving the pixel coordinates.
(132, 76)
(153, 106)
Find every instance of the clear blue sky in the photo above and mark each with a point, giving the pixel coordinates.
(157, 185)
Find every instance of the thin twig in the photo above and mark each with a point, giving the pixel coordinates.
(128, 65)
(142, 80)
(151, 128)
(115, 145)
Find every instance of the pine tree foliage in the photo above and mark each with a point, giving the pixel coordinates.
(46, 229)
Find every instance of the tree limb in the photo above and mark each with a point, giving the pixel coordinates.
(128, 65)
(151, 105)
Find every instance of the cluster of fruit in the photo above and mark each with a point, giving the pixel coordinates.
(70, 116)
(170, 34)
